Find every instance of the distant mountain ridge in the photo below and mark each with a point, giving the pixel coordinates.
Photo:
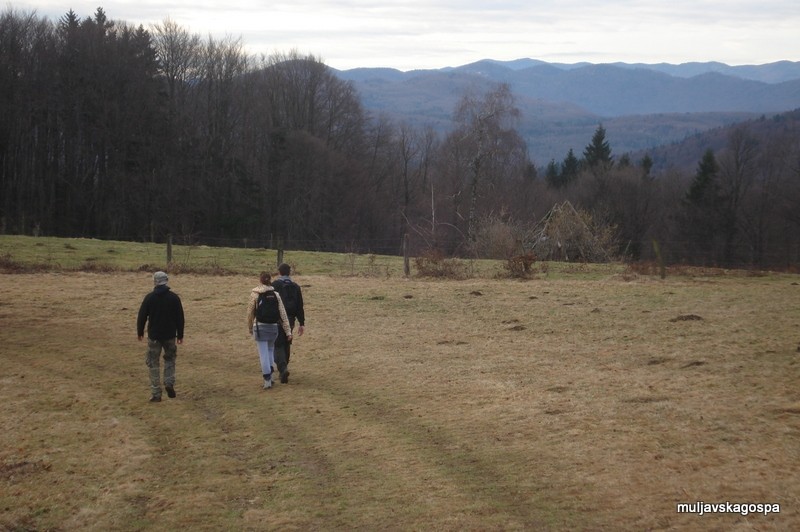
(776, 72)
(642, 105)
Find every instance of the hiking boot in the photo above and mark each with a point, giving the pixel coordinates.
(170, 391)
(268, 384)
(285, 377)
(155, 399)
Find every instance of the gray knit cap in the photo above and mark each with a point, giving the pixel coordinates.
(160, 278)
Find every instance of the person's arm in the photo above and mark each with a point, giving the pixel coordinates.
(301, 314)
(284, 318)
(141, 319)
(179, 320)
(251, 312)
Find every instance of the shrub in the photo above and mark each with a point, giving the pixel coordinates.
(521, 266)
(9, 265)
(433, 263)
(499, 237)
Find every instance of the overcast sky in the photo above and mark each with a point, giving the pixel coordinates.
(411, 34)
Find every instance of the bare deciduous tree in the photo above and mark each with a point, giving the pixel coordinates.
(485, 134)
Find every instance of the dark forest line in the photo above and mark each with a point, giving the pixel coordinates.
(121, 132)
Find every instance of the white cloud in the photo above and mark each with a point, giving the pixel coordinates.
(423, 34)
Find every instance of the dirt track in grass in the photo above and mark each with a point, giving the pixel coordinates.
(446, 405)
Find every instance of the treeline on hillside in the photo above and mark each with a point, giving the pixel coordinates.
(122, 132)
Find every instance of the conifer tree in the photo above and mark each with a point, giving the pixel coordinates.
(598, 153)
(570, 168)
(703, 191)
(701, 220)
(552, 174)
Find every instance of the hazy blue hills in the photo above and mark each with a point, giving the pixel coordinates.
(642, 106)
(769, 73)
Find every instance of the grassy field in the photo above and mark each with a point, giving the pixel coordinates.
(587, 398)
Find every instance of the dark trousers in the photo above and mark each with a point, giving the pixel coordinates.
(282, 357)
(283, 349)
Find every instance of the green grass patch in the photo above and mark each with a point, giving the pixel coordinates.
(26, 253)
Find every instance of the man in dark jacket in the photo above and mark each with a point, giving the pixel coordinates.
(163, 312)
(292, 298)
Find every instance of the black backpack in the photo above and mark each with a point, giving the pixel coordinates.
(267, 308)
(288, 291)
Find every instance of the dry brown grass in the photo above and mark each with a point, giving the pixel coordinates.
(413, 405)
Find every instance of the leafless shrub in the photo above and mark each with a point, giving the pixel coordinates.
(90, 265)
(521, 266)
(497, 236)
(434, 264)
(9, 265)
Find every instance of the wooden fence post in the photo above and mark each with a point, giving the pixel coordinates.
(169, 249)
(406, 263)
(661, 267)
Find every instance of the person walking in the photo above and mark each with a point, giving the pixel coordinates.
(162, 311)
(265, 316)
(292, 297)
